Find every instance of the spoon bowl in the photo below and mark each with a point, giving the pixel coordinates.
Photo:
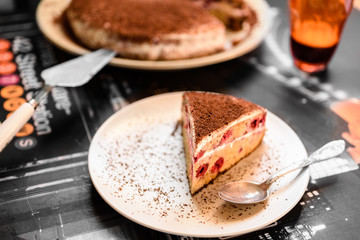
(233, 192)
(247, 192)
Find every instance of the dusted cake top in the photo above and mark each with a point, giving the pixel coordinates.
(143, 20)
(213, 111)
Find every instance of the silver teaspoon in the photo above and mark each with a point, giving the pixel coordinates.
(247, 192)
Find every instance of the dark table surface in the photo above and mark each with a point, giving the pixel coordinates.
(45, 188)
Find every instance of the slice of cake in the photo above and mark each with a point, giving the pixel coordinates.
(146, 29)
(218, 130)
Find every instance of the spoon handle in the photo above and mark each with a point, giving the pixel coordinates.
(329, 150)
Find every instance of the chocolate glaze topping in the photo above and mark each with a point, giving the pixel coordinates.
(212, 111)
(143, 20)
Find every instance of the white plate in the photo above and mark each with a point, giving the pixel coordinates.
(137, 164)
(49, 13)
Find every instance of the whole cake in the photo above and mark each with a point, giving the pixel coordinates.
(218, 130)
(160, 29)
(146, 29)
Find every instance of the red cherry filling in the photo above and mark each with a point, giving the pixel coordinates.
(200, 172)
(200, 154)
(225, 137)
(254, 123)
(262, 120)
(258, 122)
(218, 164)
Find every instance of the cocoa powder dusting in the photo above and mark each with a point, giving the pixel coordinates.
(143, 20)
(212, 111)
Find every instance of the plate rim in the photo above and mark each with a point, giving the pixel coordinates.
(304, 173)
(253, 41)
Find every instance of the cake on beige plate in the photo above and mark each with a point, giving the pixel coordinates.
(146, 29)
(160, 29)
(218, 131)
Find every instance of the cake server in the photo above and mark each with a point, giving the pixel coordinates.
(248, 192)
(72, 73)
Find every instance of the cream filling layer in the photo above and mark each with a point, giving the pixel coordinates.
(205, 140)
(260, 129)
